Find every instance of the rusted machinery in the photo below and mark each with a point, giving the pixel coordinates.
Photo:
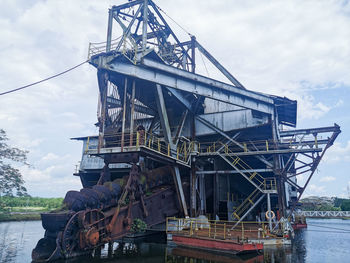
(173, 142)
(104, 213)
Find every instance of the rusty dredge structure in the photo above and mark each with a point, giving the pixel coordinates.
(175, 143)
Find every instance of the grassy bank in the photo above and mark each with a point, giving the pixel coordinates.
(6, 216)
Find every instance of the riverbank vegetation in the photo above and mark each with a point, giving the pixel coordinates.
(26, 208)
(315, 203)
(30, 204)
(11, 180)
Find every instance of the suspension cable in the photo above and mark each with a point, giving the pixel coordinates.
(173, 20)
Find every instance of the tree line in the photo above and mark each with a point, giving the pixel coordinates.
(7, 202)
(338, 204)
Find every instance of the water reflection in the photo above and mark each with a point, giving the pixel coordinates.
(17, 240)
(153, 252)
(318, 243)
(180, 254)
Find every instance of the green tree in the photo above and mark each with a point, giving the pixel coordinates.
(345, 206)
(11, 180)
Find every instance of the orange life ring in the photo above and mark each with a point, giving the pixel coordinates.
(267, 214)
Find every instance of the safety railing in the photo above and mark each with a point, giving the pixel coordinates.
(257, 145)
(218, 229)
(241, 165)
(246, 204)
(97, 48)
(268, 185)
(122, 43)
(260, 145)
(138, 139)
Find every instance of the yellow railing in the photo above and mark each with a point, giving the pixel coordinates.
(256, 145)
(269, 184)
(218, 229)
(246, 204)
(241, 165)
(130, 141)
(260, 145)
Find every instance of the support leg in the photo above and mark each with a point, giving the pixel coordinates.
(269, 211)
(178, 184)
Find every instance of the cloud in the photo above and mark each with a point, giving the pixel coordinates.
(50, 179)
(276, 47)
(316, 189)
(327, 179)
(50, 157)
(338, 153)
(286, 48)
(311, 110)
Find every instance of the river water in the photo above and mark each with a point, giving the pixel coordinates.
(325, 240)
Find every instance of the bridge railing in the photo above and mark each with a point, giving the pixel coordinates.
(338, 214)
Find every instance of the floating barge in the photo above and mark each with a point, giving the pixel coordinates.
(223, 236)
(228, 246)
(299, 226)
(299, 222)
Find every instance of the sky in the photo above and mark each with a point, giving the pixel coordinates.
(299, 49)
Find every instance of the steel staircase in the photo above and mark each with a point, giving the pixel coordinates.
(262, 185)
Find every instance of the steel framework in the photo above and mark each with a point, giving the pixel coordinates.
(182, 143)
(147, 79)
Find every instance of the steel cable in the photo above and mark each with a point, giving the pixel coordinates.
(43, 80)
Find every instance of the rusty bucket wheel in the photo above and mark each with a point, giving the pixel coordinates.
(84, 231)
(70, 236)
(95, 228)
(92, 217)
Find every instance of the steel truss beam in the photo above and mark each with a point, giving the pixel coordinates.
(216, 63)
(334, 128)
(189, 82)
(234, 171)
(116, 103)
(242, 172)
(188, 105)
(316, 160)
(161, 31)
(269, 152)
(216, 129)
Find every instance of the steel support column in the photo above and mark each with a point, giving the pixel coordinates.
(124, 113)
(103, 87)
(269, 211)
(202, 194)
(144, 26)
(109, 30)
(163, 116)
(277, 166)
(180, 190)
(132, 112)
(193, 190)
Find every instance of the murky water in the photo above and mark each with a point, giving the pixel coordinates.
(325, 240)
